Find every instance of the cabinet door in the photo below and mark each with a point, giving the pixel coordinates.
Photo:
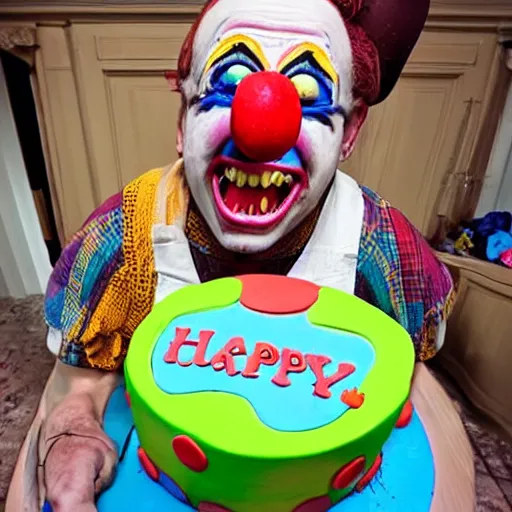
(129, 113)
(478, 349)
(424, 132)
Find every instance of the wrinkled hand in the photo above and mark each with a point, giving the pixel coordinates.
(79, 458)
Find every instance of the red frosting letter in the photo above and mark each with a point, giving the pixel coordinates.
(292, 361)
(322, 384)
(223, 359)
(264, 353)
(180, 340)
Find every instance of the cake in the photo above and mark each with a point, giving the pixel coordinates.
(266, 393)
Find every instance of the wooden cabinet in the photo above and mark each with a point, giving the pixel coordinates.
(131, 116)
(478, 346)
(424, 132)
(108, 114)
(108, 108)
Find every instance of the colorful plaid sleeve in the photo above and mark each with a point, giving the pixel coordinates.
(103, 285)
(81, 277)
(399, 273)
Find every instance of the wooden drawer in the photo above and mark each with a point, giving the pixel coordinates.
(478, 346)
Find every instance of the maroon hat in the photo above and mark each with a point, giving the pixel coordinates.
(393, 26)
(383, 34)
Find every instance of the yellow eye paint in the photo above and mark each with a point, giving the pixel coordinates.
(318, 54)
(229, 43)
(307, 87)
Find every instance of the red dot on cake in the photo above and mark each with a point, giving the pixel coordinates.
(348, 473)
(205, 506)
(277, 295)
(147, 465)
(189, 453)
(320, 504)
(368, 476)
(405, 416)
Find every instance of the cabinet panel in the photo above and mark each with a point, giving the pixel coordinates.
(401, 148)
(144, 115)
(66, 154)
(129, 113)
(409, 151)
(478, 346)
(424, 133)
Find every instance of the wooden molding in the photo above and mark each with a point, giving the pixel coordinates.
(472, 14)
(487, 269)
(88, 8)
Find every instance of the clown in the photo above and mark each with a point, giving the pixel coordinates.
(274, 94)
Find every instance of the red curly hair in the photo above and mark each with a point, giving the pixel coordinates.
(366, 69)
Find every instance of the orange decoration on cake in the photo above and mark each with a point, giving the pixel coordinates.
(352, 398)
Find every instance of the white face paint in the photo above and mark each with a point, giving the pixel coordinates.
(306, 41)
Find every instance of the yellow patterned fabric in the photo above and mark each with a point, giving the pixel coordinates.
(176, 194)
(104, 283)
(129, 296)
(200, 235)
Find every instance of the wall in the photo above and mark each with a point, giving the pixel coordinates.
(4, 292)
(504, 201)
(24, 261)
(497, 188)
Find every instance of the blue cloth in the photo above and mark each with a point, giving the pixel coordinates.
(492, 222)
(497, 244)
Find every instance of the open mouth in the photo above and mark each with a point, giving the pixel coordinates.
(255, 195)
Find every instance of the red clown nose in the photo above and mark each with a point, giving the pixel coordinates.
(266, 116)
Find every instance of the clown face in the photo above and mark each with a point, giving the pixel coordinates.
(268, 99)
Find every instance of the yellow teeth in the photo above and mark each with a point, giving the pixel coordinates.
(254, 180)
(241, 179)
(251, 210)
(267, 178)
(277, 178)
(264, 205)
(230, 174)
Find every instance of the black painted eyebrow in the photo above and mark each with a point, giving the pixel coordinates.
(240, 47)
(305, 56)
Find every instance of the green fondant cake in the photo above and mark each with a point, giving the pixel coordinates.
(266, 393)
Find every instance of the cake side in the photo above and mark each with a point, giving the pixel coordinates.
(218, 444)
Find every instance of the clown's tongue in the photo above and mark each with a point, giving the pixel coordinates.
(254, 194)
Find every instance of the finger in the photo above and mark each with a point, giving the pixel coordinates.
(107, 472)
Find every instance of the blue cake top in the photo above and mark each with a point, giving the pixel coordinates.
(290, 408)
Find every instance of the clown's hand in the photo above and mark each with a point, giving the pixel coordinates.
(76, 456)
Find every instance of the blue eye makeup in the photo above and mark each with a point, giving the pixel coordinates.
(224, 77)
(316, 89)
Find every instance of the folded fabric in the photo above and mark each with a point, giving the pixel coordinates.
(506, 258)
(492, 222)
(497, 244)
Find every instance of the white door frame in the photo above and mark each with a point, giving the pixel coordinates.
(24, 261)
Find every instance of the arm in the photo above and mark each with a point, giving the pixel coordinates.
(66, 457)
(400, 274)
(427, 287)
(101, 288)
